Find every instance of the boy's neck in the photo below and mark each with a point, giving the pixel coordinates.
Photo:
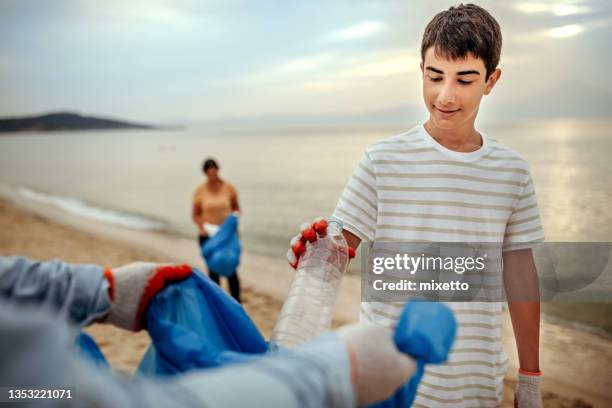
(463, 139)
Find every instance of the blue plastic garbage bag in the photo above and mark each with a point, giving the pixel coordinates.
(426, 331)
(86, 346)
(222, 251)
(194, 324)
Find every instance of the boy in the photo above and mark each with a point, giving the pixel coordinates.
(442, 182)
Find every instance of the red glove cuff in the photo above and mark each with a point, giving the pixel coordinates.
(532, 373)
(157, 282)
(108, 274)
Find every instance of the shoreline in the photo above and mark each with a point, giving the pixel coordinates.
(576, 364)
(274, 282)
(101, 217)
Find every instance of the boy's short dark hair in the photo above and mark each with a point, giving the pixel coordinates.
(209, 163)
(461, 30)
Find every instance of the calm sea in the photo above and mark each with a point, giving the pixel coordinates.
(145, 179)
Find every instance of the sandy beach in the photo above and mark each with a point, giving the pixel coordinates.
(577, 366)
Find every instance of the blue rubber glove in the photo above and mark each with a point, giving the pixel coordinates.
(425, 331)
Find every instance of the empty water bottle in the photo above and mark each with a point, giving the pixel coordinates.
(309, 305)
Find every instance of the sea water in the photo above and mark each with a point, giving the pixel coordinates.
(145, 179)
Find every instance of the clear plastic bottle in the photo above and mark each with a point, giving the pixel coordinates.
(308, 309)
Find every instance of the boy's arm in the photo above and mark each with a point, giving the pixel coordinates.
(352, 240)
(522, 291)
(521, 283)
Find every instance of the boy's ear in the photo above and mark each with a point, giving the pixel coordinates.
(421, 65)
(493, 78)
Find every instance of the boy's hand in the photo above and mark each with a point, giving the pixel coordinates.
(132, 287)
(308, 233)
(528, 391)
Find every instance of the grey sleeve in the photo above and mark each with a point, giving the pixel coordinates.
(79, 293)
(41, 356)
(313, 375)
(38, 353)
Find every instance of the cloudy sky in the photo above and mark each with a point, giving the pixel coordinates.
(196, 61)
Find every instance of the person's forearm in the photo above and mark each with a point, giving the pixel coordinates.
(316, 374)
(198, 222)
(522, 291)
(526, 323)
(79, 292)
(38, 353)
(196, 215)
(234, 205)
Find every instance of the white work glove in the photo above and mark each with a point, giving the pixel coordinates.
(378, 367)
(132, 287)
(527, 393)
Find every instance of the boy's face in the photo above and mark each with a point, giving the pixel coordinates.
(452, 90)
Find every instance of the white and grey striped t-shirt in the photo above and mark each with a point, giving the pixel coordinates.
(409, 188)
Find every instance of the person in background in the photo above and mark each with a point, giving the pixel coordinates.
(213, 201)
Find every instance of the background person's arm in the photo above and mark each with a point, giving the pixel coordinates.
(197, 212)
(235, 205)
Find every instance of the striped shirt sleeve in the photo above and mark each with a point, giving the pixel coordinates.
(358, 204)
(524, 227)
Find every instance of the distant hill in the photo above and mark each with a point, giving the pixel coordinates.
(65, 121)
